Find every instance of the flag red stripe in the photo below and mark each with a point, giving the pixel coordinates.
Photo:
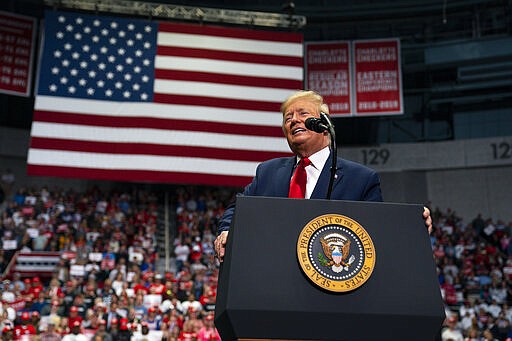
(217, 102)
(229, 55)
(230, 32)
(152, 149)
(156, 123)
(227, 79)
(138, 176)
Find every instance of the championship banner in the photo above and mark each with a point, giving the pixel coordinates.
(328, 73)
(16, 53)
(377, 75)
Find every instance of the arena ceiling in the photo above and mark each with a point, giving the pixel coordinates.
(415, 20)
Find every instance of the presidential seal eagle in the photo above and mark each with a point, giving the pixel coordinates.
(337, 249)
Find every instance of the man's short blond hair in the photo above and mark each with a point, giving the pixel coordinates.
(308, 95)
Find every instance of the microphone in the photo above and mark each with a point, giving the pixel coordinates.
(320, 125)
(316, 125)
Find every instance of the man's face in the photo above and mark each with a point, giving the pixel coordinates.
(302, 141)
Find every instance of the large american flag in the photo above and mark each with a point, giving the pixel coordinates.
(134, 100)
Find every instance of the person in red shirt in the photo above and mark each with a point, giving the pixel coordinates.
(25, 329)
(73, 317)
(140, 286)
(187, 333)
(36, 288)
(208, 299)
(157, 287)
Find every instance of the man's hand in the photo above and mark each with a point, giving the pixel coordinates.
(220, 245)
(428, 219)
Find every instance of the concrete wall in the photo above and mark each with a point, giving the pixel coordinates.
(469, 176)
(472, 191)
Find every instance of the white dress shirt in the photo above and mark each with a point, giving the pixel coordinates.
(313, 171)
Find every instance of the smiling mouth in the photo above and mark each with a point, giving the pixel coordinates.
(298, 130)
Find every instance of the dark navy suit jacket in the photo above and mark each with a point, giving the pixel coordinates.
(353, 182)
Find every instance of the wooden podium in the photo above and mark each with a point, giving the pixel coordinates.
(264, 294)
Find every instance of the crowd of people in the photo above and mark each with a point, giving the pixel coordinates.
(474, 263)
(108, 285)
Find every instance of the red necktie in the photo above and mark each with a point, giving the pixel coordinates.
(299, 180)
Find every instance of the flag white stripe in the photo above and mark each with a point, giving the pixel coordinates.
(240, 92)
(160, 136)
(157, 110)
(43, 157)
(229, 67)
(196, 41)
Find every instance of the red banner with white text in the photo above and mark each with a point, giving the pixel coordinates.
(359, 78)
(16, 53)
(377, 75)
(328, 73)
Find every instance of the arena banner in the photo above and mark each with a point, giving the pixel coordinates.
(138, 100)
(17, 34)
(377, 77)
(328, 73)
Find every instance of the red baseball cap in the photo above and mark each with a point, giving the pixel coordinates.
(25, 315)
(73, 309)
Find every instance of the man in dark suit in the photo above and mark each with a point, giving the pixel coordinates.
(275, 177)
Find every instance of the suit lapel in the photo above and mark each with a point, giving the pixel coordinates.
(320, 191)
(284, 172)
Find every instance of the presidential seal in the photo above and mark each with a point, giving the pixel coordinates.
(336, 253)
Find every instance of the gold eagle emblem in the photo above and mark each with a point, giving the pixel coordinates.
(345, 251)
(337, 250)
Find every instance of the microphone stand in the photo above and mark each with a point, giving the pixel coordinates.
(334, 151)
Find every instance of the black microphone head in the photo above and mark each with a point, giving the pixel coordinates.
(315, 124)
(311, 123)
